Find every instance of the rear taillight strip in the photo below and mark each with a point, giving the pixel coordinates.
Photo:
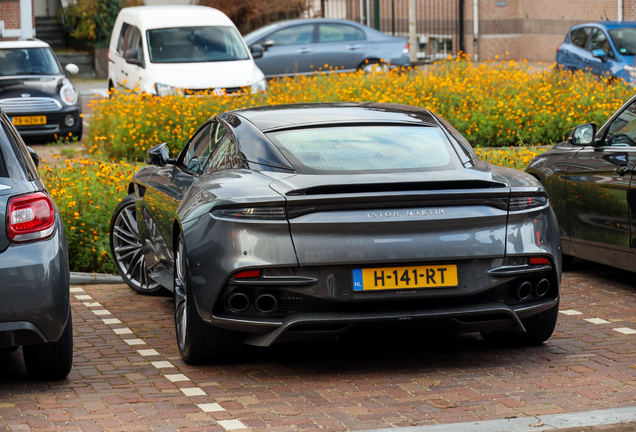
(30, 217)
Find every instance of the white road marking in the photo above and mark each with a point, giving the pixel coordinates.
(148, 352)
(571, 312)
(231, 424)
(101, 312)
(83, 297)
(76, 289)
(177, 377)
(134, 342)
(111, 321)
(193, 391)
(211, 407)
(597, 321)
(162, 364)
(124, 330)
(625, 330)
(93, 304)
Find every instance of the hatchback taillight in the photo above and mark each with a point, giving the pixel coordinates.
(30, 217)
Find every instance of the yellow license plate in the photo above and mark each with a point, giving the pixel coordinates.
(387, 278)
(29, 120)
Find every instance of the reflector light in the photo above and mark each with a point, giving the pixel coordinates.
(537, 260)
(248, 274)
(30, 217)
(252, 213)
(524, 203)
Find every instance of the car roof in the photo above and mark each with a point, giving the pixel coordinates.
(609, 24)
(152, 17)
(33, 43)
(269, 118)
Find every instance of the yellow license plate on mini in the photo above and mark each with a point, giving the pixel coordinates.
(399, 278)
(29, 120)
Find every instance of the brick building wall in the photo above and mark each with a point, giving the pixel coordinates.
(10, 13)
(525, 29)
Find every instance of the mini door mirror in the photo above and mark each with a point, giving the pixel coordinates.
(267, 44)
(34, 156)
(599, 54)
(583, 135)
(158, 155)
(257, 51)
(72, 69)
(131, 58)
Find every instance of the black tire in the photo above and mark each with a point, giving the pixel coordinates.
(125, 249)
(371, 66)
(52, 360)
(566, 262)
(198, 341)
(539, 328)
(111, 90)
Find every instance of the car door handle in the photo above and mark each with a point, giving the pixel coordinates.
(305, 50)
(354, 47)
(621, 171)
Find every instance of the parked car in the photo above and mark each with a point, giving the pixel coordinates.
(163, 49)
(604, 48)
(36, 94)
(306, 45)
(590, 181)
(291, 220)
(36, 311)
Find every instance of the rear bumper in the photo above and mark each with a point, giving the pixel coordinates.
(475, 318)
(34, 294)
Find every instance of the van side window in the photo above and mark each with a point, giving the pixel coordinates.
(133, 42)
(122, 37)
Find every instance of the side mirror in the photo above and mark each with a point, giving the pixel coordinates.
(34, 155)
(583, 135)
(158, 155)
(599, 54)
(267, 44)
(257, 51)
(72, 69)
(131, 58)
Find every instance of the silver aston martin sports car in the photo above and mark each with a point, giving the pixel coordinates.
(289, 221)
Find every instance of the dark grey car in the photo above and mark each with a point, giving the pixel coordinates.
(304, 220)
(307, 45)
(35, 311)
(591, 183)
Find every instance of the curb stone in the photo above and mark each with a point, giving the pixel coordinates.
(79, 278)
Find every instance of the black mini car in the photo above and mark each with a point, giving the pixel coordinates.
(35, 311)
(36, 94)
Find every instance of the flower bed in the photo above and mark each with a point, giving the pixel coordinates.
(492, 104)
(86, 192)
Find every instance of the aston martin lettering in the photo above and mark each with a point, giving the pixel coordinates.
(407, 213)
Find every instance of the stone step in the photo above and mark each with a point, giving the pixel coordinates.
(46, 20)
(56, 27)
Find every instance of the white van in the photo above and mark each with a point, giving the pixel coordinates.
(163, 49)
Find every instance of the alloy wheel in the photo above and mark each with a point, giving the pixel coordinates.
(180, 296)
(128, 255)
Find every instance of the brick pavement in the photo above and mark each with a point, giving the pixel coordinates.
(411, 377)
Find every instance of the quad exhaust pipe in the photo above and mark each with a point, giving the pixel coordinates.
(523, 291)
(238, 302)
(542, 288)
(525, 288)
(266, 303)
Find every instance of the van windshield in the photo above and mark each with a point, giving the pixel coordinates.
(195, 45)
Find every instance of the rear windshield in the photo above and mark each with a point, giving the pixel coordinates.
(28, 61)
(366, 149)
(195, 44)
(624, 40)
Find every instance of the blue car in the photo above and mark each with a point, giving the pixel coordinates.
(304, 46)
(603, 48)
